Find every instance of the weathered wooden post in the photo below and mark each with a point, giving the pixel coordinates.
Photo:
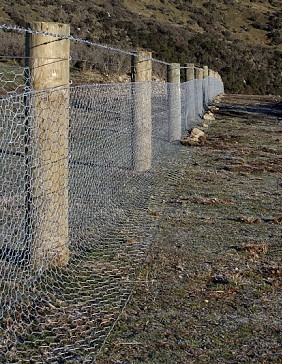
(206, 87)
(48, 145)
(221, 84)
(191, 105)
(189, 72)
(199, 74)
(211, 85)
(174, 101)
(141, 75)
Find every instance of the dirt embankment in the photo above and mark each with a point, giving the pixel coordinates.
(210, 289)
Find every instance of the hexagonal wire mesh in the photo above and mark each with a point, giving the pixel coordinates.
(13, 79)
(76, 194)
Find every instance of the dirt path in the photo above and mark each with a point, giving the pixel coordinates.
(210, 289)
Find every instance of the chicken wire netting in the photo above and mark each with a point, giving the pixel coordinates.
(77, 216)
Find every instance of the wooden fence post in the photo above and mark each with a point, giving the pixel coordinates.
(206, 87)
(141, 75)
(189, 72)
(191, 106)
(48, 148)
(199, 74)
(174, 101)
(211, 73)
(211, 85)
(205, 71)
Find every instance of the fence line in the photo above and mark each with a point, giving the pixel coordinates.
(85, 171)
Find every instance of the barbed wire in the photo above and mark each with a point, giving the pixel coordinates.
(88, 42)
(80, 40)
(84, 173)
(27, 57)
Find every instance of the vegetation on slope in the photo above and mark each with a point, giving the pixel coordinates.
(240, 39)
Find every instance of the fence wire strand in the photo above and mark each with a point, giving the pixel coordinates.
(77, 216)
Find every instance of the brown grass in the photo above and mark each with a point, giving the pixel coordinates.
(210, 288)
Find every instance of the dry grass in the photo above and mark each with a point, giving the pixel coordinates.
(210, 289)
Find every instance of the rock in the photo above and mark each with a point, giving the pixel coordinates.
(190, 142)
(196, 137)
(217, 99)
(209, 116)
(213, 108)
(220, 279)
(196, 133)
(193, 142)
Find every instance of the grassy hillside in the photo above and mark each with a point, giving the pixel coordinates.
(245, 20)
(240, 39)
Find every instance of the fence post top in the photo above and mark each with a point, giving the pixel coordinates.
(174, 65)
(206, 71)
(60, 28)
(140, 54)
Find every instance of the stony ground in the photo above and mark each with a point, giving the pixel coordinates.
(210, 288)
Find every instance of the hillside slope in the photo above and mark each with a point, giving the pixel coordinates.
(240, 39)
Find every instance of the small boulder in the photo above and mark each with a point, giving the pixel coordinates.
(196, 134)
(213, 108)
(209, 116)
(196, 137)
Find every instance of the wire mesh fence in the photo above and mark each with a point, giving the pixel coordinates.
(77, 215)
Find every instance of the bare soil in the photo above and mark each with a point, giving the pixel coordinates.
(210, 288)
